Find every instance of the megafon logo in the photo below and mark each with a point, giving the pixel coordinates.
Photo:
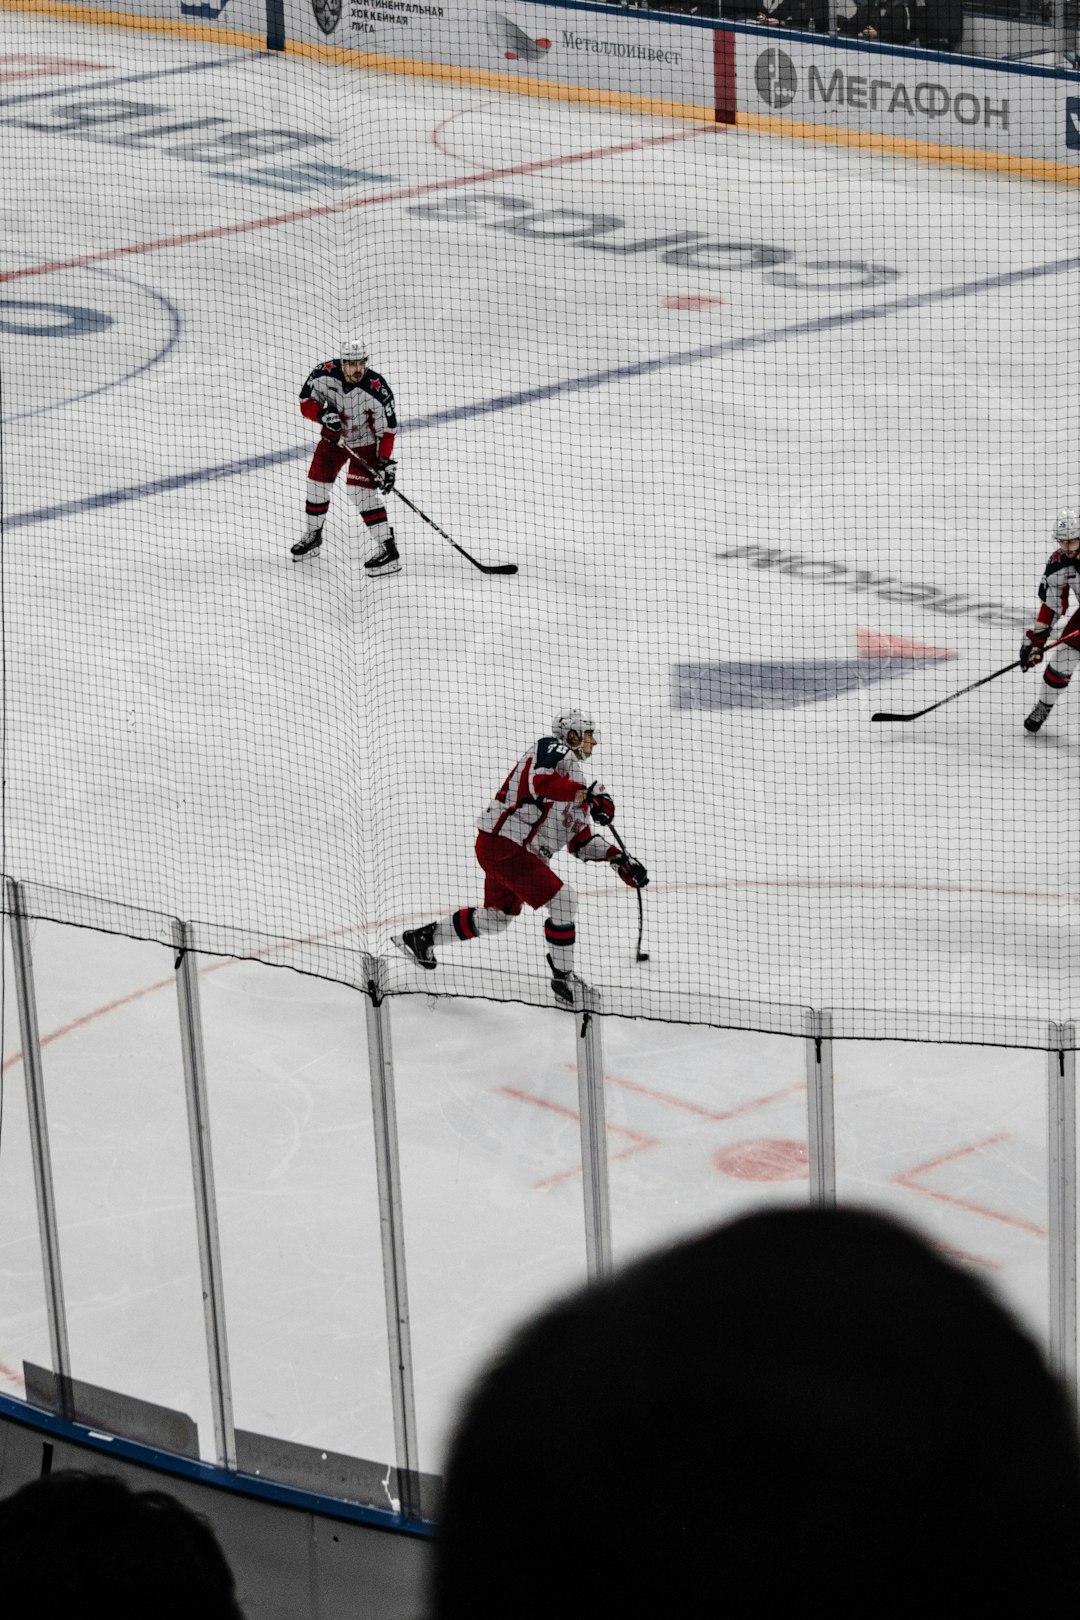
(514, 43)
(775, 78)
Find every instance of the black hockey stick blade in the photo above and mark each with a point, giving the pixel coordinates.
(918, 714)
(485, 568)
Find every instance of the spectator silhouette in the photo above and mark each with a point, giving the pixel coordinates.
(801, 1408)
(940, 24)
(889, 22)
(810, 15)
(81, 1545)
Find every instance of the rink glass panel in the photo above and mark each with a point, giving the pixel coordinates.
(114, 1093)
(703, 1124)
(25, 1335)
(287, 1075)
(953, 1140)
(491, 1185)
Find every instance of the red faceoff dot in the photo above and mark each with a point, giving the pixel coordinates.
(511, 56)
(544, 44)
(769, 1159)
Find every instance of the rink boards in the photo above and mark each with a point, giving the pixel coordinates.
(1003, 116)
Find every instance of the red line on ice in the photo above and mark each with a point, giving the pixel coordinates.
(906, 1178)
(697, 1108)
(638, 1143)
(320, 210)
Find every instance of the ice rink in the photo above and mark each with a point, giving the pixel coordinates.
(775, 432)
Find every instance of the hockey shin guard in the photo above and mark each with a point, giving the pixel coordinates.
(559, 930)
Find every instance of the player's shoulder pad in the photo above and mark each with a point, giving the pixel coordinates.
(550, 753)
(375, 384)
(325, 368)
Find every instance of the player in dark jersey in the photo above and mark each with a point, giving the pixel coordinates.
(1059, 589)
(355, 409)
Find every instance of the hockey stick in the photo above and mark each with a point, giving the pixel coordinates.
(942, 701)
(485, 568)
(642, 956)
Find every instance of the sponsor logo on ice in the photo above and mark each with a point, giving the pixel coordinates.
(513, 42)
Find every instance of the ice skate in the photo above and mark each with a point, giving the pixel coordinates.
(569, 991)
(386, 561)
(1037, 717)
(419, 943)
(310, 542)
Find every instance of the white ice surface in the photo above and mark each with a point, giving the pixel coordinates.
(200, 726)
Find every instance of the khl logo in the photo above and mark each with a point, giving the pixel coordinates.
(1072, 123)
(327, 14)
(776, 79)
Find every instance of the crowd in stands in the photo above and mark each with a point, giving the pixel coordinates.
(799, 1409)
(85, 1545)
(936, 25)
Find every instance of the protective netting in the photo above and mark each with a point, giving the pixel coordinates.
(759, 362)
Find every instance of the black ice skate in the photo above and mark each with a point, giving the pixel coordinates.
(568, 990)
(419, 943)
(386, 561)
(310, 542)
(1036, 719)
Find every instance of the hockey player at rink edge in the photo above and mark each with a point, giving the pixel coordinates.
(1062, 574)
(543, 806)
(355, 409)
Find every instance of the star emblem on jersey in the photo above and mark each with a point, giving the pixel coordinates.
(790, 683)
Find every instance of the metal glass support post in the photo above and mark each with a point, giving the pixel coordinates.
(594, 1164)
(1061, 1117)
(819, 1105)
(834, 17)
(48, 1230)
(391, 1221)
(202, 1169)
(275, 25)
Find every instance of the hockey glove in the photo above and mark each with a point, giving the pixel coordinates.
(600, 804)
(330, 421)
(383, 475)
(632, 872)
(1031, 652)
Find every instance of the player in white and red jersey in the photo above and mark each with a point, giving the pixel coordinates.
(543, 806)
(355, 409)
(1059, 590)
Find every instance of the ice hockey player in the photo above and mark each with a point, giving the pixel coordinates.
(543, 806)
(355, 409)
(1062, 575)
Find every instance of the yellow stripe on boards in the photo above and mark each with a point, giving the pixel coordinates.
(962, 157)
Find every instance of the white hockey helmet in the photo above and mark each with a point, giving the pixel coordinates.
(573, 720)
(1067, 523)
(353, 348)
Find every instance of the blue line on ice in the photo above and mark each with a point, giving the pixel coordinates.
(568, 385)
